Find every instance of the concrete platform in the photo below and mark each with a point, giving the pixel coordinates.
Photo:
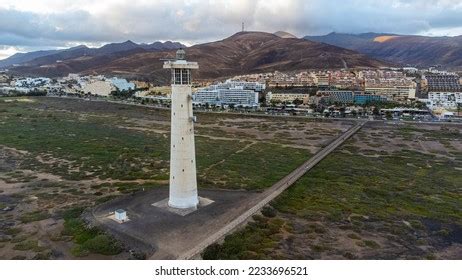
(163, 204)
(163, 233)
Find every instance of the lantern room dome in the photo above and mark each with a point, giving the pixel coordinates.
(180, 54)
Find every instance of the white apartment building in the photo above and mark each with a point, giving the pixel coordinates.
(443, 100)
(226, 96)
(238, 96)
(230, 93)
(204, 96)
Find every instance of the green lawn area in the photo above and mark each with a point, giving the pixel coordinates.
(81, 146)
(405, 184)
(85, 146)
(257, 167)
(402, 186)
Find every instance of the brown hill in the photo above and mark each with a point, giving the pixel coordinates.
(244, 52)
(420, 51)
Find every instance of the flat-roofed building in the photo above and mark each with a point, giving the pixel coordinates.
(362, 99)
(349, 97)
(397, 89)
(322, 79)
(238, 96)
(443, 82)
(255, 86)
(223, 95)
(337, 96)
(445, 100)
(396, 93)
(122, 84)
(204, 96)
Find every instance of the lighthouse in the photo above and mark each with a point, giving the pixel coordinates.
(183, 181)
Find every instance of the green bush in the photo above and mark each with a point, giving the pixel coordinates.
(269, 212)
(43, 256)
(212, 252)
(72, 213)
(88, 239)
(79, 251)
(354, 236)
(103, 244)
(28, 245)
(34, 216)
(371, 244)
(105, 198)
(13, 231)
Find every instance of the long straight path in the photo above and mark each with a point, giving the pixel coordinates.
(271, 193)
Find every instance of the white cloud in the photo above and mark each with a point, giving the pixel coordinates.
(6, 51)
(35, 24)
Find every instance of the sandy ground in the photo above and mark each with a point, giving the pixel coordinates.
(164, 234)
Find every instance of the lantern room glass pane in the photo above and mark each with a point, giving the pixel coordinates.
(177, 80)
(181, 76)
(185, 77)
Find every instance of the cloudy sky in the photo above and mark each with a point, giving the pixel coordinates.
(27, 25)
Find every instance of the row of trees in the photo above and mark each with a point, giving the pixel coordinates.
(34, 92)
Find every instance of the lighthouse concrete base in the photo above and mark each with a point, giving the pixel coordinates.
(163, 204)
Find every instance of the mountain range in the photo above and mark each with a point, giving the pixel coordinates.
(246, 52)
(51, 56)
(406, 50)
(241, 53)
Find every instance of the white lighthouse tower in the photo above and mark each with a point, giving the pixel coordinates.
(183, 182)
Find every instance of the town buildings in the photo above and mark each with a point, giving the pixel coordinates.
(439, 90)
(31, 82)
